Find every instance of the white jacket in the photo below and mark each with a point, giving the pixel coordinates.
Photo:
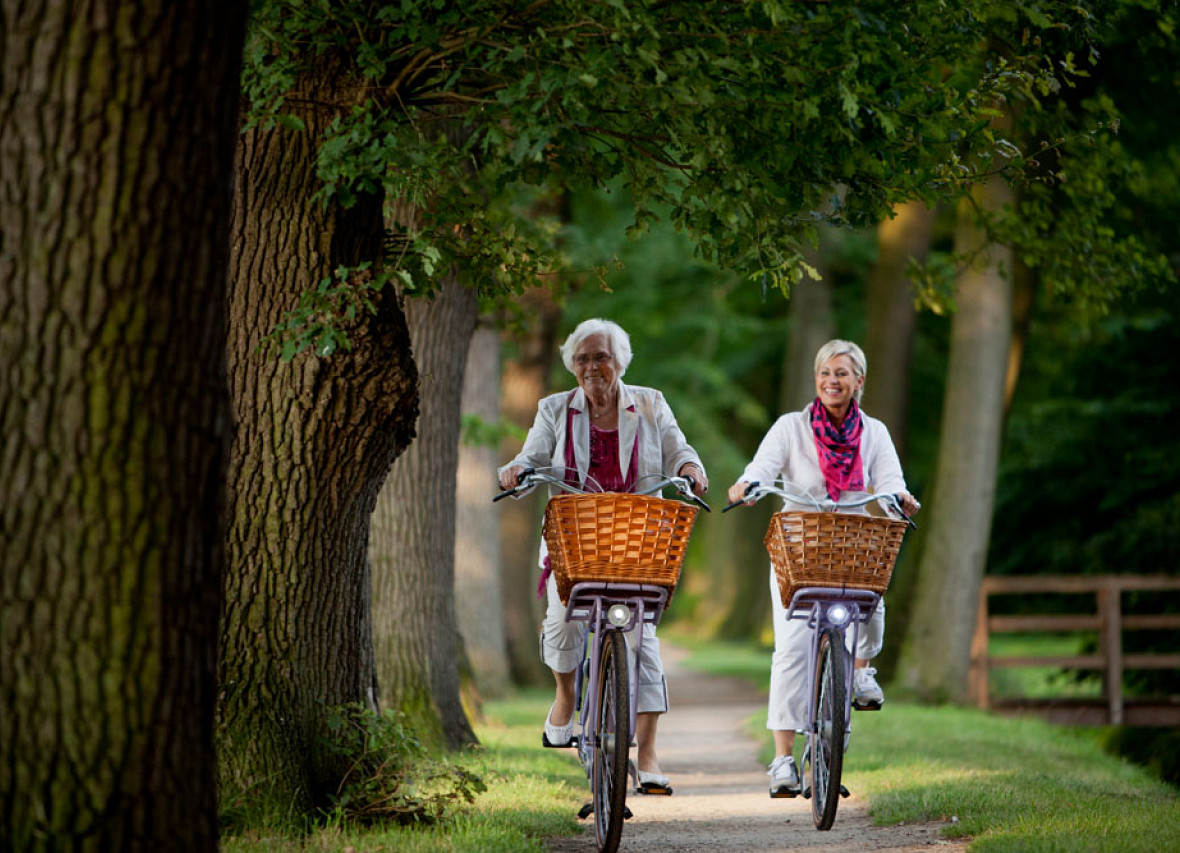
(644, 411)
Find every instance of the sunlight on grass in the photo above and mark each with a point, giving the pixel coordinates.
(533, 793)
(1007, 784)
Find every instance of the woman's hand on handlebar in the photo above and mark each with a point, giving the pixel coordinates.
(700, 483)
(737, 493)
(909, 503)
(510, 478)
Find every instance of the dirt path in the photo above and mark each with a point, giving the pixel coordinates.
(721, 800)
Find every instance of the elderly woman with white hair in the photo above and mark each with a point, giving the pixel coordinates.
(607, 435)
(826, 449)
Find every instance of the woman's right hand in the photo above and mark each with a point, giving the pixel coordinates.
(737, 492)
(510, 478)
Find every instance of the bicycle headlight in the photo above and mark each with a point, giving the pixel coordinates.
(618, 615)
(839, 615)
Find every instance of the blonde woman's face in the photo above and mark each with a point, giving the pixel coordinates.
(836, 383)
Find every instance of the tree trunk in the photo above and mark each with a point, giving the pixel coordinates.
(116, 143)
(1024, 300)
(479, 598)
(524, 382)
(413, 537)
(892, 320)
(813, 324)
(316, 438)
(936, 652)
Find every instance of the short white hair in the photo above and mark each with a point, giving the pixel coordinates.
(836, 347)
(620, 342)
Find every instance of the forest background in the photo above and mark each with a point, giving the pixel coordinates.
(232, 520)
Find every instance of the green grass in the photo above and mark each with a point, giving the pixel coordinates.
(1009, 784)
(533, 793)
(1006, 784)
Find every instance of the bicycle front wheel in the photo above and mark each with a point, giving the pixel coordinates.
(612, 730)
(829, 702)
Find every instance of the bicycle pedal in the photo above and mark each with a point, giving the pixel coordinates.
(866, 706)
(585, 811)
(783, 794)
(844, 792)
(573, 741)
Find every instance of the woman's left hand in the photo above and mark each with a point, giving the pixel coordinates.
(700, 483)
(909, 503)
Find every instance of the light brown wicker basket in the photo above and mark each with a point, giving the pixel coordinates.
(615, 537)
(833, 549)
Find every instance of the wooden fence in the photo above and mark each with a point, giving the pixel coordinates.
(1108, 620)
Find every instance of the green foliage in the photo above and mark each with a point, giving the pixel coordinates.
(748, 125)
(324, 315)
(389, 776)
(477, 432)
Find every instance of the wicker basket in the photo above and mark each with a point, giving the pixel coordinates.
(615, 537)
(832, 549)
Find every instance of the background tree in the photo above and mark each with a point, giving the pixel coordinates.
(418, 642)
(479, 593)
(117, 126)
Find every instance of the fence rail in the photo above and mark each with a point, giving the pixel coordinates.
(1107, 620)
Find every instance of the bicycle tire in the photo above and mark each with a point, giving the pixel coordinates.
(830, 703)
(612, 731)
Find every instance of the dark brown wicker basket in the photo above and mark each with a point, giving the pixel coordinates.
(833, 549)
(616, 537)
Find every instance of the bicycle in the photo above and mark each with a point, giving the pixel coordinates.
(832, 568)
(616, 558)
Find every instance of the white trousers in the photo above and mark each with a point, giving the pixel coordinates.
(561, 650)
(789, 697)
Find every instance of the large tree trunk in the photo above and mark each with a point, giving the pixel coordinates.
(479, 597)
(936, 652)
(524, 382)
(892, 319)
(413, 537)
(316, 438)
(116, 142)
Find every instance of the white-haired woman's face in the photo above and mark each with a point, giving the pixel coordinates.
(836, 383)
(594, 364)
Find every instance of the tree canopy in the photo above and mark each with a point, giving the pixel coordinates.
(746, 123)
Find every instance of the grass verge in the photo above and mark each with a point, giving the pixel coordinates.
(1006, 784)
(532, 793)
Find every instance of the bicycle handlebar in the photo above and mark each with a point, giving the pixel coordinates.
(531, 477)
(756, 491)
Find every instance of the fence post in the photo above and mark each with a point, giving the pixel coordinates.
(1110, 612)
(977, 674)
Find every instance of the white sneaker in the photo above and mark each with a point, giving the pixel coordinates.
(866, 692)
(784, 777)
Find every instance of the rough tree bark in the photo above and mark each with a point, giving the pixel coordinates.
(524, 382)
(413, 537)
(936, 652)
(892, 319)
(479, 597)
(116, 142)
(316, 438)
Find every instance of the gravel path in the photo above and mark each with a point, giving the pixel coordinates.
(721, 800)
